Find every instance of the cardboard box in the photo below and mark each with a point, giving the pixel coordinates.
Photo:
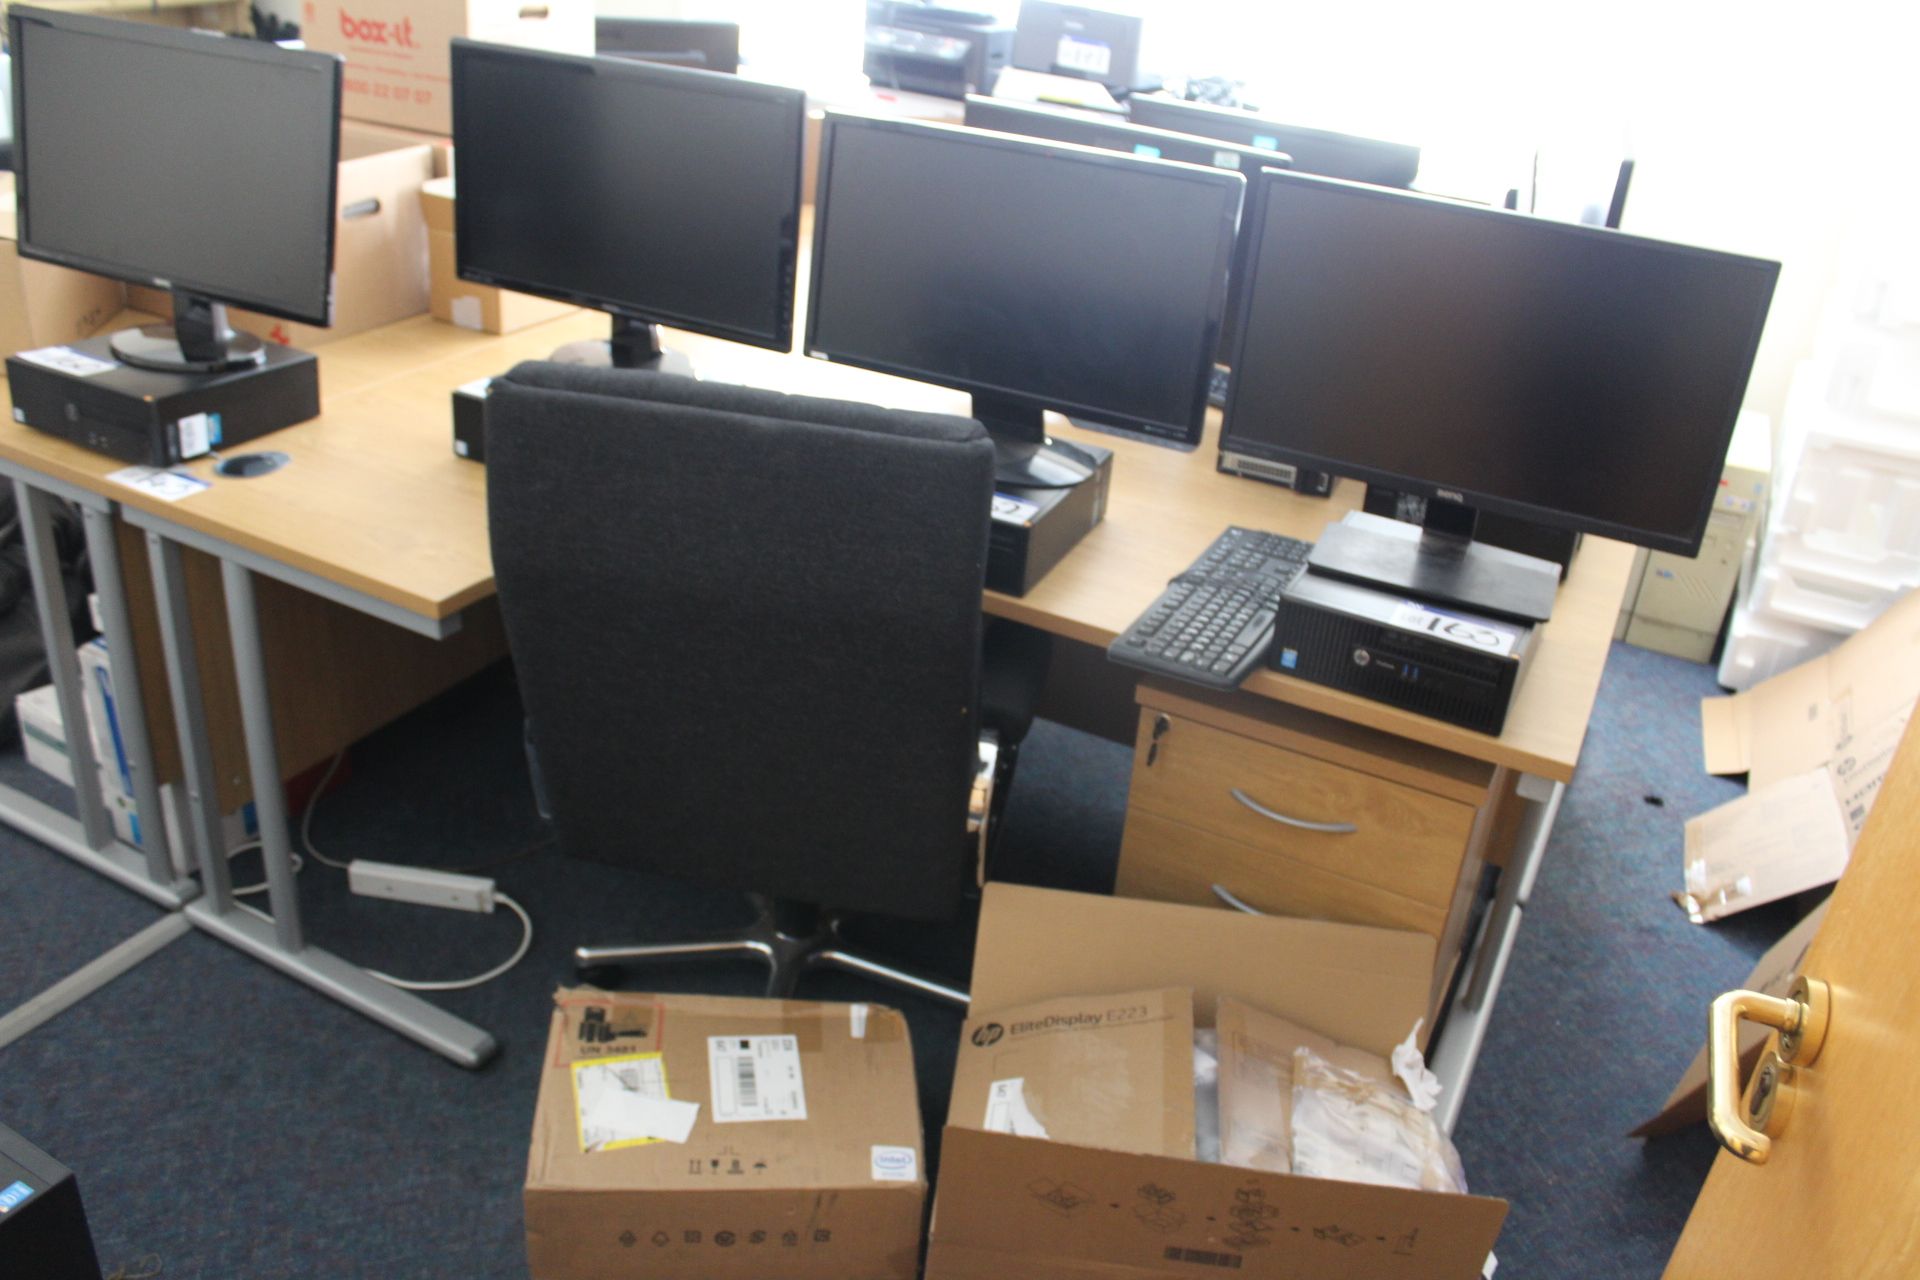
(42, 305)
(1102, 1071)
(1256, 1082)
(1815, 742)
(472, 306)
(397, 50)
(379, 245)
(790, 1147)
(1046, 1210)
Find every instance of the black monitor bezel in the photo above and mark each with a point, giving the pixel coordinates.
(1686, 544)
(1232, 122)
(1185, 434)
(1252, 161)
(198, 42)
(777, 338)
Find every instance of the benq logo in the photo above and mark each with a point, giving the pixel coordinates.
(368, 31)
(989, 1034)
(1449, 495)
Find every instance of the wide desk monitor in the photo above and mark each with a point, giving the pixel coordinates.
(181, 160)
(1033, 276)
(1334, 155)
(655, 193)
(1115, 135)
(709, 46)
(1563, 374)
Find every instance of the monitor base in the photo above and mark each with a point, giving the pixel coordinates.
(1046, 464)
(601, 354)
(157, 347)
(1439, 568)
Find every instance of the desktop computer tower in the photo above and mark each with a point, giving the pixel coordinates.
(1033, 529)
(1431, 660)
(43, 1227)
(81, 392)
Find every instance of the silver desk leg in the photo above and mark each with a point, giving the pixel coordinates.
(87, 839)
(277, 939)
(1453, 1057)
(202, 822)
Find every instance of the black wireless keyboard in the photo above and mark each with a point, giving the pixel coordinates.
(1213, 623)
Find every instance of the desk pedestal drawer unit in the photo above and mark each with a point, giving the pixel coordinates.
(1296, 814)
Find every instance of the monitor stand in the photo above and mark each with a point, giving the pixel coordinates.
(1024, 456)
(633, 344)
(1439, 563)
(198, 341)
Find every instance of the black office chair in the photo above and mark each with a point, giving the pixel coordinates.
(748, 635)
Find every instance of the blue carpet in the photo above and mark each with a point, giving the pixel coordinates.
(231, 1123)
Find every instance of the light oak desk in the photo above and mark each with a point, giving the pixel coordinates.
(375, 512)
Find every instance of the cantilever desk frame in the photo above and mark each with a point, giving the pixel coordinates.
(388, 391)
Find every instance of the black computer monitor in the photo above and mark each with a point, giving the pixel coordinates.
(1118, 135)
(1562, 374)
(1034, 276)
(710, 46)
(182, 160)
(661, 195)
(1335, 155)
(1073, 40)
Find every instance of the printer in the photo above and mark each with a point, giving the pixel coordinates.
(924, 49)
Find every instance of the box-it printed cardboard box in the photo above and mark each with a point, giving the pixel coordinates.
(681, 1136)
(397, 51)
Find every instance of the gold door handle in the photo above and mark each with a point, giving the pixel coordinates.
(1744, 1126)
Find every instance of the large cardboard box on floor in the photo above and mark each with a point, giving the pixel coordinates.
(725, 1139)
(397, 51)
(462, 302)
(379, 242)
(42, 305)
(1044, 1209)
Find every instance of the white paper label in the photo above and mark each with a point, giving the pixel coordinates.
(1008, 509)
(756, 1078)
(67, 360)
(193, 435)
(857, 1024)
(1472, 633)
(1089, 56)
(623, 1101)
(895, 1164)
(168, 486)
(1007, 1110)
(466, 312)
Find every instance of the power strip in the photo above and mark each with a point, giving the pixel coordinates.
(420, 885)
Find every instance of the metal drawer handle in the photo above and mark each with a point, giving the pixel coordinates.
(1326, 828)
(1234, 900)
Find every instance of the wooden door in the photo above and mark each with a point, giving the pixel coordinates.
(1840, 1194)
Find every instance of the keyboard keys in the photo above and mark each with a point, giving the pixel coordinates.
(1213, 623)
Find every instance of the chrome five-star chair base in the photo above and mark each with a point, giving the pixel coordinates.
(788, 937)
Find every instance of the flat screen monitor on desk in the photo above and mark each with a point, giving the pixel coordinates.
(1334, 155)
(1567, 375)
(182, 160)
(1033, 276)
(1110, 135)
(661, 195)
(710, 46)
